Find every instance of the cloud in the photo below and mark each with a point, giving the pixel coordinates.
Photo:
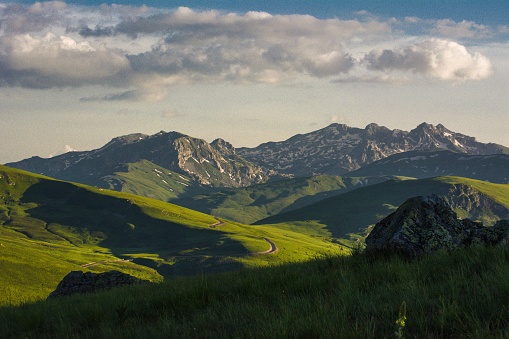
(52, 44)
(55, 61)
(66, 149)
(122, 96)
(433, 58)
(463, 29)
(18, 19)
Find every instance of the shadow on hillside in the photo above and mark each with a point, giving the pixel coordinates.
(357, 209)
(185, 266)
(119, 225)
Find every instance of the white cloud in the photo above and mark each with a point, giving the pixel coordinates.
(66, 149)
(463, 29)
(52, 44)
(50, 61)
(433, 58)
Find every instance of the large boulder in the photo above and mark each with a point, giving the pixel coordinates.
(77, 282)
(427, 224)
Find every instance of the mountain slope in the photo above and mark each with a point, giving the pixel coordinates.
(426, 164)
(215, 164)
(338, 149)
(357, 210)
(150, 180)
(256, 202)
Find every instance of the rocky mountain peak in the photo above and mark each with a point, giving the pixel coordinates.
(209, 164)
(127, 139)
(376, 130)
(223, 146)
(337, 149)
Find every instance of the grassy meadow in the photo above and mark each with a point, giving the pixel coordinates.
(210, 277)
(463, 294)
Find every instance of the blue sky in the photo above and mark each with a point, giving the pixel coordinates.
(490, 11)
(75, 74)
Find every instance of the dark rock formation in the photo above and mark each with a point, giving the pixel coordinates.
(427, 224)
(77, 282)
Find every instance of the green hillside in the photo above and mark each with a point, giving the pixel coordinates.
(462, 294)
(150, 180)
(250, 204)
(357, 210)
(50, 227)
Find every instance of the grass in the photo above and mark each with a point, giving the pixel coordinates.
(498, 192)
(50, 227)
(250, 204)
(359, 209)
(463, 294)
(150, 180)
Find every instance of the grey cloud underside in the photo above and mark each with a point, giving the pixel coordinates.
(209, 46)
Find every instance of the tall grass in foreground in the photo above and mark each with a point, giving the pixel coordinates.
(461, 294)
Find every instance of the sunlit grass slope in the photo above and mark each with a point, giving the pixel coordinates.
(150, 180)
(355, 211)
(49, 227)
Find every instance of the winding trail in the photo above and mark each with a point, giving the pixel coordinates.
(218, 223)
(90, 264)
(273, 248)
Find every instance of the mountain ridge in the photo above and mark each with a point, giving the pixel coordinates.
(214, 164)
(338, 148)
(334, 150)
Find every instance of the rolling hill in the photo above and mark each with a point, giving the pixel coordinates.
(250, 204)
(50, 227)
(355, 211)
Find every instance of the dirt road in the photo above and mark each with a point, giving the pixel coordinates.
(273, 248)
(218, 223)
(90, 264)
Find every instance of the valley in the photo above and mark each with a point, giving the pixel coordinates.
(168, 206)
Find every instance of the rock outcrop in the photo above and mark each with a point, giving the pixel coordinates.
(427, 224)
(77, 282)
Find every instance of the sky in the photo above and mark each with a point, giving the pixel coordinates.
(74, 75)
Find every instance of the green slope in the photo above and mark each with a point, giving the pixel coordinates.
(153, 181)
(256, 202)
(50, 227)
(462, 294)
(357, 210)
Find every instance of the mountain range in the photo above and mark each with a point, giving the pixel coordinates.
(338, 149)
(189, 163)
(209, 164)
